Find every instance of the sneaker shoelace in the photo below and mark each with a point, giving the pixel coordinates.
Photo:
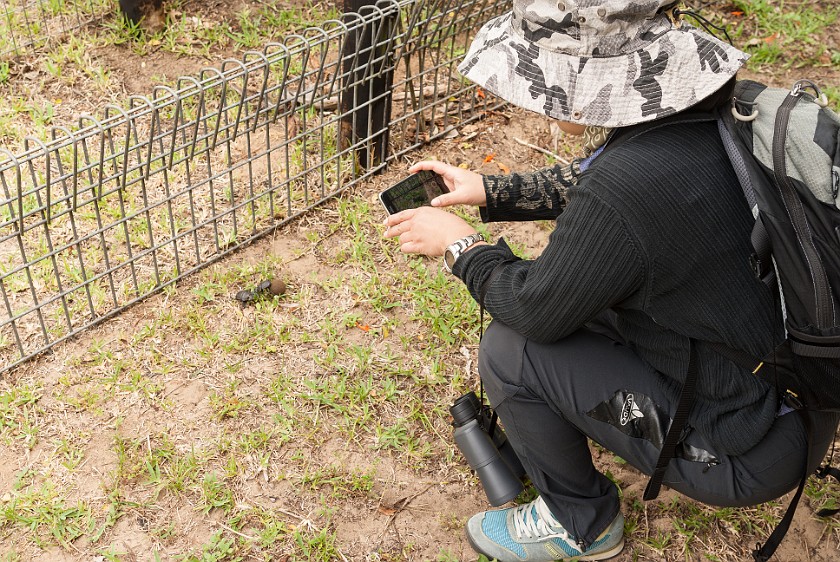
(534, 520)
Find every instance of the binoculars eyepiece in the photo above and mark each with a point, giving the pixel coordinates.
(486, 448)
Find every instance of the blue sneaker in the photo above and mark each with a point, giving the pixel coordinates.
(530, 533)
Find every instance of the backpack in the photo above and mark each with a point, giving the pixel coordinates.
(784, 146)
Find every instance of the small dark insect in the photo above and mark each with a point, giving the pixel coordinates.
(274, 287)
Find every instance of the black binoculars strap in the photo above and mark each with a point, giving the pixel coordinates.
(669, 447)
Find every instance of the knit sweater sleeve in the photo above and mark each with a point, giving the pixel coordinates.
(526, 197)
(576, 277)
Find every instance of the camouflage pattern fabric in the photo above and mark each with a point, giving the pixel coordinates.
(610, 63)
(537, 191)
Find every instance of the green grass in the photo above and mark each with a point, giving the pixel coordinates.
(41, 509)
(217, 431)
(785, 34)
(367, 392)
(19, 414)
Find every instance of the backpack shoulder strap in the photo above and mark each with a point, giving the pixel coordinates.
(726, 122)
(762, 553)
(761, 260)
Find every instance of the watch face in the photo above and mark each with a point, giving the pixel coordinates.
(448, 259)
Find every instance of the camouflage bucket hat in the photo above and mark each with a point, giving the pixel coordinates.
(610, 63)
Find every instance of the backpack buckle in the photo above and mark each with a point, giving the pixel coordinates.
(765, 275)
(792, 400)
(755, 264)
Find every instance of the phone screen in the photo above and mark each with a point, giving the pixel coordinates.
(414, 191)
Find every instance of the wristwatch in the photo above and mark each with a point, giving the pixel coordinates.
(454, 250)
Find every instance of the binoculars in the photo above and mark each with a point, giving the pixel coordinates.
(486, 449)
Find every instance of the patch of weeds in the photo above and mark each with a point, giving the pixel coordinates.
(47, 516)
(351, 319)
(129, 458)
(257, 440)
(631, 524)
(784, 34)
(249, 34)
(142, 385)
(341, 482)
(163, 533)
(228, 404)
(98, 353)
(42, 114)
(529, 493)
(181, 472)
(273, 530)
(659, 542)
(19, 414)
(431, 295)
(199, 323)
(81, 399)
(71, 452)
(116, 507)
(315, 545)
(112, 553)
(268, 331)
(402, 437)
(143, 458)
(215, 494)
(186, 36)
(287, 19)
(362, 242)
(217, 549)
(208, 291)
(823, 494)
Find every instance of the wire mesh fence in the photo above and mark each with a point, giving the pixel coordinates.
(103, 214)
(29, 24)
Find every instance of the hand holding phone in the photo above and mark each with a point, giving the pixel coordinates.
(414, 191)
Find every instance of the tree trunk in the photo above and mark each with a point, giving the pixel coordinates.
(367, 75)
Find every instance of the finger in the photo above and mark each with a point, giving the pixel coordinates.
(411, 247)
(397, 218)
(422, 165)
(433, 165)
(444, 200)
(397, 230)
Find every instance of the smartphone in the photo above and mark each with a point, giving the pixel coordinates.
(414, 191)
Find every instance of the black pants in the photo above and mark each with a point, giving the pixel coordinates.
(551, 397)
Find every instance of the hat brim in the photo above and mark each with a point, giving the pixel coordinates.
(674, 71)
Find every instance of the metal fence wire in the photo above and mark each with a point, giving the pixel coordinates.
(28, 24)
(101, 215)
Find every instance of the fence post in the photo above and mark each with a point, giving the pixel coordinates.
(367, 70)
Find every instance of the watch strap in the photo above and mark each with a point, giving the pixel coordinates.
(458, 247)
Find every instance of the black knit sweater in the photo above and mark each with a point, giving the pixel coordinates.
(657, 229)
